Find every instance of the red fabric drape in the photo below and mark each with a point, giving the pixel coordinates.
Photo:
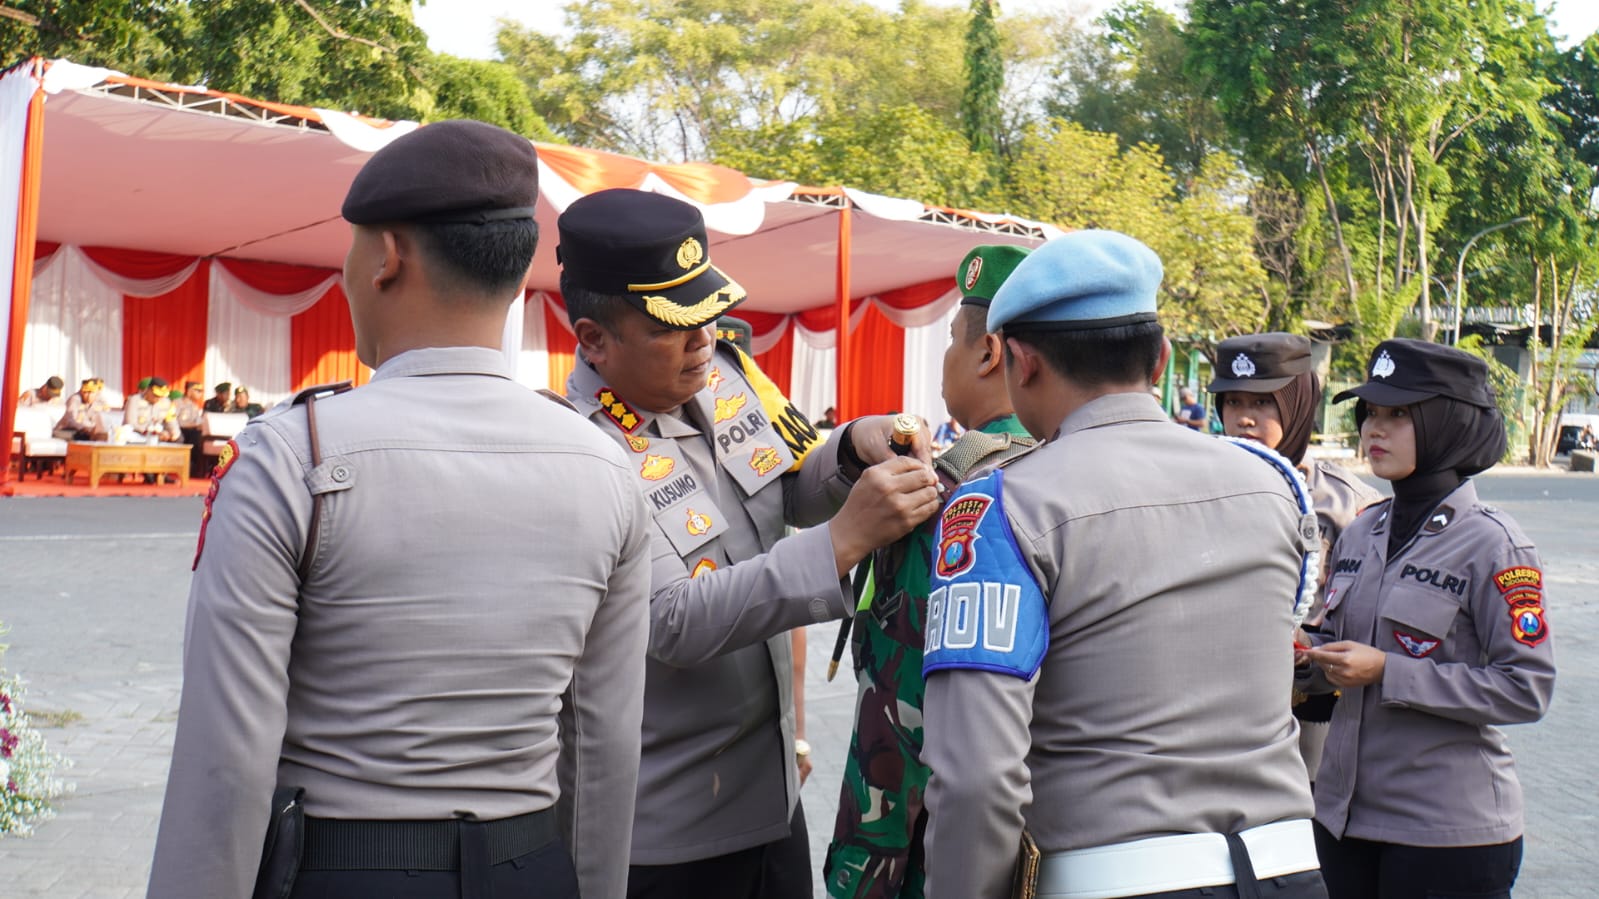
(165, 336)
(559, 344)
(778, 362)
(916, 295)
(877, 358)
(139, 264)
(275, 277)
(322, 344)
(44, 249)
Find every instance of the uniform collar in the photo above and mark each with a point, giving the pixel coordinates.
(445, 360)
(1451, 507)
(1114, 408)
(1005, 424)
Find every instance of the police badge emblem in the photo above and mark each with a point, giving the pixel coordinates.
(764, 459)
(1243, 366)
(1383, 366)
(656, 467)
(698, 523)
(974, 270)
(957, 531)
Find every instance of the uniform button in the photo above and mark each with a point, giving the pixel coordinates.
(341, 473)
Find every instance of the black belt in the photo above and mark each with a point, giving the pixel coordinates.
(339, 844)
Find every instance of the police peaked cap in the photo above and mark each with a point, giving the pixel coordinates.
(1260, 363)
(984, 269)
(1084, 280)
(649, 249)
(1402, 372)
(456, 171)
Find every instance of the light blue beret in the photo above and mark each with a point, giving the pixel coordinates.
(1079, 281)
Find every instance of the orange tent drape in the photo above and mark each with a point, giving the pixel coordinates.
(778, 362)
(22, 272)
(877, 358)
(322, 344)
(560, 346)
(164, 336)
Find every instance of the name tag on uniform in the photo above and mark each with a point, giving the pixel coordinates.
(985, 611)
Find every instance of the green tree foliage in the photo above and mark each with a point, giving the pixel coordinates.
(117, 34)
(985, 78)
(1126, 77)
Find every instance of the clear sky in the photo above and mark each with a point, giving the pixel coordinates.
(466, 27)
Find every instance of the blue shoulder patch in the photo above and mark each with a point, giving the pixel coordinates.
(985, 610)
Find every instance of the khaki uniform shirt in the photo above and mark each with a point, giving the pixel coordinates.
(477, 574)
(189, 413)
(718, 771)
(1169, 561)
(32, 398)
(80, 416)
(1416, 758)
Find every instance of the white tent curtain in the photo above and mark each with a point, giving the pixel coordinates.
(924, 368)
(248, 335)
(511, 334)
(74, 324)
(138, 287)
(16, 90)
(533, 361)
(813, 379)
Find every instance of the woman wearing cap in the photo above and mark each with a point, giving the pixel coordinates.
(1266, 391)
(1435, 632)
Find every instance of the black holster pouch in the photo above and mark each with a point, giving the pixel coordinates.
(284, 846)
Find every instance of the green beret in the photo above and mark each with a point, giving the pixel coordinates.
(984, 269)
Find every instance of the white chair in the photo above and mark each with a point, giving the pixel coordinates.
(216, 429)
(33, 440)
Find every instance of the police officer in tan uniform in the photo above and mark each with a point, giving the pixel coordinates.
(1108, 646)
(1437, 633)
(724, 461)
(426, 613)
(1266, 391)
(83, 418)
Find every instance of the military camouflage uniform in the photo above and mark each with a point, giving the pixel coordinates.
(876, 852)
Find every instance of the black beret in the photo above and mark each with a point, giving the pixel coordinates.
(1403, 372)
(1260, 363)
(453, 171)
(650, 249)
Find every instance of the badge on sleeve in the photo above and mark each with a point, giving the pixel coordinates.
(225, 460)
(986, 611)
(1527, 624)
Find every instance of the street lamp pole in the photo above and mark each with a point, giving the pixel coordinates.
(1460, 270)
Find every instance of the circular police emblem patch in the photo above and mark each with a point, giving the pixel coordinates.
(1243, 366)
(690, 253)
(974, 270)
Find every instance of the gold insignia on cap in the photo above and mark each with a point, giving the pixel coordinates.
(690, 253)
(667, 312)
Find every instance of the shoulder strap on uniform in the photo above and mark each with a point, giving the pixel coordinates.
(557, 399)
(308, 397)
(1309, 528)
(974, 447)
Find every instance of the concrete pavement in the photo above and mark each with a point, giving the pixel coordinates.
(94, 591)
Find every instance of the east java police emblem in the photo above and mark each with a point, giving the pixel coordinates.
(698, 523)
(957, 531)
(1527, 623)
(974, 270)
(764, 459)
(1243, 366)
(1383, 366)
(656, 467)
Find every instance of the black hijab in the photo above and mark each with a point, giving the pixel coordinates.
(1454, 440)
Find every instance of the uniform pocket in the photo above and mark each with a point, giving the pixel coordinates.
(1418, 621)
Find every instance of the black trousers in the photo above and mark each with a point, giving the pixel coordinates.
(1363, 869)
(544, 873)
(1306, 885)
(776, 870)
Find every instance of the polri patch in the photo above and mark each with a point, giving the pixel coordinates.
(1527, 624)
(225, 459)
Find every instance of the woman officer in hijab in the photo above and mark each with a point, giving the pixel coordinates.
(1265, 391)
(1435, 630)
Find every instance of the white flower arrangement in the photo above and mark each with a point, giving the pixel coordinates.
(28, 778)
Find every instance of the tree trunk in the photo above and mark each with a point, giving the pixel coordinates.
(1338, 228)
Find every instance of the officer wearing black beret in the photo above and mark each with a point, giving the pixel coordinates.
(723, 461)
(1266, 391)
(1436, 633)
(421, 602)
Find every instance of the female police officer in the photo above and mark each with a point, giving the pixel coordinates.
(1266, 391)
(1435, 631)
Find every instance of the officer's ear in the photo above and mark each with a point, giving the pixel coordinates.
(1163, 361)
(593, 338)
(993, 355)
(387, 265)
(1023, 364)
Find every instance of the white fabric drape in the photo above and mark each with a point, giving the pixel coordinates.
(763, 343)
(558, 312)
(925, 314)
(246, 345)
(140, 287)
(16, 90)
(533, 362)
(813, 380)
(924, 368)
(281, 305)
(74, 324)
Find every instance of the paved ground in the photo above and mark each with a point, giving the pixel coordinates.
(94, 591)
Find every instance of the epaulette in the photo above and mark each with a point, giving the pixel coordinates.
(556, 398)
(1512, 529)
(973, 447)
(321, 391)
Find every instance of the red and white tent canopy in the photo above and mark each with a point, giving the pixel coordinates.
(128, 186)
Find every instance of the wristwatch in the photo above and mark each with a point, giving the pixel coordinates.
(801, 748)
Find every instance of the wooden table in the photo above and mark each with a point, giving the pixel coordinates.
(96, 459)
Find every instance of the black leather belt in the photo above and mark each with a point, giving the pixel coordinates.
(339, 844)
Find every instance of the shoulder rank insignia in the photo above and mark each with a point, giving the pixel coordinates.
(618, 411)
(225, 458)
